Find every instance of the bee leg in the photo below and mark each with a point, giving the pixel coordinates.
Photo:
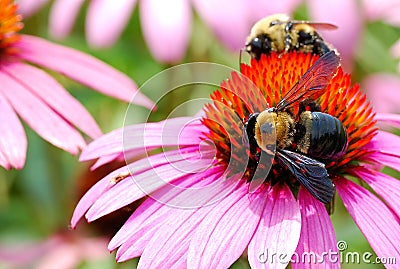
(330, 207)
(288, 38)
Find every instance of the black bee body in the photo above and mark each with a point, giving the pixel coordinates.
(320, 136)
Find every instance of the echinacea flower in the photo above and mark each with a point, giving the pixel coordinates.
(200, 212)
(61, 250)
(166, 24)
(28, 92)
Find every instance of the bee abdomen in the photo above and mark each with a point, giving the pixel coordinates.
(321, 136)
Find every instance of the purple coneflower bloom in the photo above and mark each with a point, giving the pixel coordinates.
(30, 93)
(200, 212)
(61, 250)
(166, 24)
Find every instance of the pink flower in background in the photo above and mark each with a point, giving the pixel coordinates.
(30, 93)
(385, 10)
(200, 214)
(383, 88)
(62, 251)
(166, 24)
(347, 15)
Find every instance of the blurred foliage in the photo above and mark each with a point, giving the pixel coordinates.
(38, 201)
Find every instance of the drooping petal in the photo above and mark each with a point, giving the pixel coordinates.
(55, 96)
(142, 184)
(278, 231)
(105, 20)
(209, 195)
(13, 142)
(225, 232)
(228, 19)
(388, 119)
(384, 92)
(30, 7)
(317, 234)
(172, 132)
(166, 28)
(384, 185)
(63, 15)
(346, 15)
(109, 181)
(81, 67)
(385, 150)
(171, 243)
(46, 122)
(151, 211)
(378, 224)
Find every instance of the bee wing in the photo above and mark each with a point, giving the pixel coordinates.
(310, 173)
(317, 25)
(313, 82)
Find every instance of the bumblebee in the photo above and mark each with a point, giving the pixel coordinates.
(302, 143)
(279, 33)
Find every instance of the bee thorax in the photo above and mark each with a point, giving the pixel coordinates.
(284, 125)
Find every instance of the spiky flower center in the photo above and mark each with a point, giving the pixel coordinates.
(10, 24)
(262, 84)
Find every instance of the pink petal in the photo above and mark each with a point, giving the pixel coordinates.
(13, 141)
(383, 91)
(63, 14)
(229, 19)
(142, 227)
(385, 150)
(30, 7)
(378, 224)
(388, 119)
(166, 28)
(384, 185)
(46, 122)
(182, 131)
(148, 211)
(262, 8)
(317, 234)
(108, 182)
(142, 184)
(101, 31)
(278, 231)
(224, 234)
(66, 256)
(55, 96)
(346, 15)
(82, 68)
(11, 253)
(395, 49)
(105, 159)
(381, 10)
(3, 161)
(171, 241)
(385, 142)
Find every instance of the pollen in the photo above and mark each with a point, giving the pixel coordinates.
(261, 85)
(10, 24)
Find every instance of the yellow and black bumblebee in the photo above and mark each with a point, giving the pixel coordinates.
(302, 143)
(278, 33)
